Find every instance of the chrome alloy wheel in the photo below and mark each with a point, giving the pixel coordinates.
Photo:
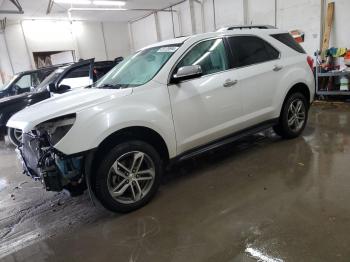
(296, 115)
(18, 135)
(131, 177)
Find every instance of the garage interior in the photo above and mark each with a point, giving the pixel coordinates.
(260, 198)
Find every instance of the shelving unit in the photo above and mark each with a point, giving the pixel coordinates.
(336, 73)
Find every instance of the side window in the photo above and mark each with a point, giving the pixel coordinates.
(250, 50)
(24, 82)
(288, 40)
(77, 77)
(210, 55)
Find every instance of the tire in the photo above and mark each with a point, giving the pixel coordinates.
(14, 137)
(114, 176)
(287, 128)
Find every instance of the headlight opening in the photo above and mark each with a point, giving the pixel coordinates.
(57, 128)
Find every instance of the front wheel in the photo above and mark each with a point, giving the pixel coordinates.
(293, 117)
(15, 136)
(128, 177)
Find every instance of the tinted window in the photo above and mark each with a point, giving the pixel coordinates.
(250, 50)
(288, 40)
(77, 77)
(210, 55)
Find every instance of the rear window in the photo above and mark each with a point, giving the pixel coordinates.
(288, 40)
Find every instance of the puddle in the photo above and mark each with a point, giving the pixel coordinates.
(3, 184)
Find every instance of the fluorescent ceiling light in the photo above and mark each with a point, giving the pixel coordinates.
(74, 2)
(110, 3)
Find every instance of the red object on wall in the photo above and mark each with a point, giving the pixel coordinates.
(298, 35)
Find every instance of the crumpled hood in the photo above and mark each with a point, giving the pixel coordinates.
(60, 105)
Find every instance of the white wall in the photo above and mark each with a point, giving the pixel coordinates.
(88, 39)
(144, 32)
(229, 12)
(17, 48)
(208, 14)
(5, 63)
(263, 14)
(185, 22)
(304, 15)
(117, 39)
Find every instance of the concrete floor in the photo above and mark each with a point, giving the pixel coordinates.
(261, 199)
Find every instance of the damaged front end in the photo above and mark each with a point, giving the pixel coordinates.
(43, 162)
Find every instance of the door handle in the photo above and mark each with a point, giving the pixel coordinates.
(229, 83)
(277, 68)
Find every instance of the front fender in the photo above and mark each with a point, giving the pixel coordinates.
(95, 124)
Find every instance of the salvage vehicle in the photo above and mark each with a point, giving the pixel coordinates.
(167, 102)
(61, 80)
(25, 81)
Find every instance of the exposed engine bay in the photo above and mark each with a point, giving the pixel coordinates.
(43, 162)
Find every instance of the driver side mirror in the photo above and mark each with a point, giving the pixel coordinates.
(118, 60)
(60, 89)
(187, 72)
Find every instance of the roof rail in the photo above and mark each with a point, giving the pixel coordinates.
(241, 27)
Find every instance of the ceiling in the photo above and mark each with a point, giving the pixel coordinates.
(36, 9)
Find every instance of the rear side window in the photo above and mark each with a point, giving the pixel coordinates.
(288, 40)
(250, 50)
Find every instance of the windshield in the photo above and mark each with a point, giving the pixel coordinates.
(8, 83)
(137, 69)
(49, 79)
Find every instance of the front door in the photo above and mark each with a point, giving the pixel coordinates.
(77, 75)
(205, 108)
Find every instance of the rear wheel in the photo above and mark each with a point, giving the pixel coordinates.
(15, 136)
(128, 177)
(293, 117)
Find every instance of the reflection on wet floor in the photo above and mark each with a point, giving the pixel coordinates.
(260, 199)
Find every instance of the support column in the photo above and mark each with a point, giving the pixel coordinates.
(156, 19)
(104, 40)
(245, 12)
(193, 19)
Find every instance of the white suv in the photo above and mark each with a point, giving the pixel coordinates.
(169, 101)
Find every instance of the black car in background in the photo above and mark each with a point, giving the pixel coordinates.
(25, 81)
(61, 80)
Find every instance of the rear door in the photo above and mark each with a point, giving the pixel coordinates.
(205, 108)
(77, 75)
(259, 68)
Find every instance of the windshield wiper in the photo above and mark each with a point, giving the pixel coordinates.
(110, 86)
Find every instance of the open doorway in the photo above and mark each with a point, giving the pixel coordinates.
(44, 59)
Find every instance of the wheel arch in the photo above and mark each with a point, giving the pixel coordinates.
(298, 87)
(142, 133)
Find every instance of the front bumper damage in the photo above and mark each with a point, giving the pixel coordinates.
(56, 171)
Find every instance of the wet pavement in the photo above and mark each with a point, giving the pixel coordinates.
(260, 199)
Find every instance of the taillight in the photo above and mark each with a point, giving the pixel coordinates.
(310, 61)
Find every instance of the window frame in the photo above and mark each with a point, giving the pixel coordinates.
(256, 36)
(228, 55)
